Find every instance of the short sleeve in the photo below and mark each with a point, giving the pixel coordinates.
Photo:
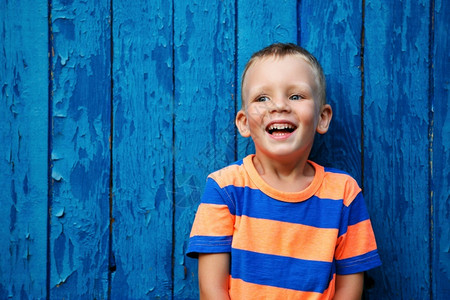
(356, 249)
(212, 230)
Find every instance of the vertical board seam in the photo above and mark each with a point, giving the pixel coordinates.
(173, 151)
(363, 28)
(49, 143)
(430, 139)
(299, 28)
(111, 259)
(236, 76)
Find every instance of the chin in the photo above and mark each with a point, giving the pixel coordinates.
(282, 154)
(285, 153)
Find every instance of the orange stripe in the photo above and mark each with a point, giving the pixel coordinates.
(233, 175)
(362, 241)
(294, 240)
(337, 186)
(213, 220)
(243, 290)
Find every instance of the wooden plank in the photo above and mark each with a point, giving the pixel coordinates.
(440, 136)
(79, 238)
(331, 31)
(259, 24)
(23, 149)
(396, 143)
(204, 116)
(142, 150)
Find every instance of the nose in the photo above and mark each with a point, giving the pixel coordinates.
(280, 104)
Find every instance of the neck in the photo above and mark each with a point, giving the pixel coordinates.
(290, 175)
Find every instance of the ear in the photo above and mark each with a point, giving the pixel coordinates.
(242, 124)
(326, 113)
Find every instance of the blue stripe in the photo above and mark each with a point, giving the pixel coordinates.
(336, 171)
(213, 194)
(358, 210)
(353, 214)
(358, 263)
(317, 212)
(208, 244)
(238, 163)
(280, 271)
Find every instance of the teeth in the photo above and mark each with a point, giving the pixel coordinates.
(280, 127)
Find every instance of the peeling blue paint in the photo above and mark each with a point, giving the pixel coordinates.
(204, 84)
(25, 185)
(59, 249)
(142, 216)
(440, 151)
(66, 27)
(396, 136)
(80, 154)
(13, 218)
(60, 212)
(161, 56)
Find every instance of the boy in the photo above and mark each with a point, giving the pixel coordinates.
(276, 225)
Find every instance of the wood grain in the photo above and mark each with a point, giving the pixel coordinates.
(203, 115)
(396, 160)
(142, 150)
(440, 152)
(79, 236)
(23, 149)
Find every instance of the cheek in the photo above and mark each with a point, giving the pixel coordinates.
(308, 115)
(254, 116)
(254, 122)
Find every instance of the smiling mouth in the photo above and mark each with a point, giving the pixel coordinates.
(280, 129)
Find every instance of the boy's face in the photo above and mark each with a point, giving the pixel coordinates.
(282, 110)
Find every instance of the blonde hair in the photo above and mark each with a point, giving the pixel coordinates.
(283, 49)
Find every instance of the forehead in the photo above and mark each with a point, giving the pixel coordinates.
(269, 68)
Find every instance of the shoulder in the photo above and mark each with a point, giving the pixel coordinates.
(222, 184)
(233, 174)
(338, 184)
(340, 176)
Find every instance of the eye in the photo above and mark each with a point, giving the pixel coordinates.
(296, 97)
(262, 99)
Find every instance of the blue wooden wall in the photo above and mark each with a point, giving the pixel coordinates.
(113, 112)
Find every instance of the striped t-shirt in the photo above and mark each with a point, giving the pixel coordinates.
(284, 245)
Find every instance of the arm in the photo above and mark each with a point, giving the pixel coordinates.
(349, 287)
(213, 276)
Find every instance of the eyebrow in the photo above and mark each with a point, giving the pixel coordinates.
(303, 86)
